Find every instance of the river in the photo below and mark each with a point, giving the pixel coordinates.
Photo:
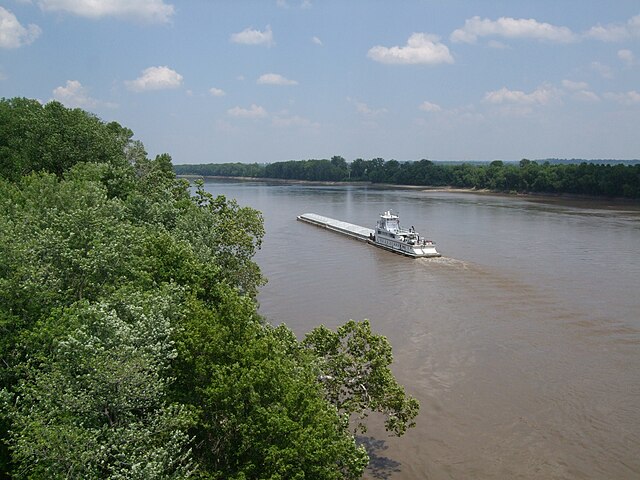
(522, 343)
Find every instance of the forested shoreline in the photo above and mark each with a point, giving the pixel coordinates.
(130, 341)
(607, 179)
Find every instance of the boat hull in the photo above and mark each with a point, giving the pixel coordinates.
(428, 251)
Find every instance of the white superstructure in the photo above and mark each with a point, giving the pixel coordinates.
(391, 236)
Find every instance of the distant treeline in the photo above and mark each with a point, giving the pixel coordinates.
(586, 178)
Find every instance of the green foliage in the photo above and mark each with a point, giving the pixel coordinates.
(50, 137)
(221, 230)
(354, 365)
(261, 412)
(595, 179)
(96, 405)
(222, 169)
(333, 170)
(130, 342)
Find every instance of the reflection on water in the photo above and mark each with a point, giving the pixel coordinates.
(521, 342)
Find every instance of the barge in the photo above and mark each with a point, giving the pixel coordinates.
(388, 234)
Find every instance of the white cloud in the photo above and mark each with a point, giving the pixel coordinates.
(217, 92)
(285, 120)
(316, 40)
(154, 11)
(253, 112)
(430, 107)
(626, 98)
(571, 85)
(543, 95)
(421, 48)
(627, 57)
(275, 79)
(511, 28)
(13, 34)
(585, 96)
(580, 91)
(602, 69)
(155, 78)
(304, 4)
(73, 94)
(365, 109)
(616, 32)
(250, 36)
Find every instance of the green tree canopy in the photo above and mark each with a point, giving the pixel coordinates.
(130, 339)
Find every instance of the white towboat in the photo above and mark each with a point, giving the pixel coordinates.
(391, 236)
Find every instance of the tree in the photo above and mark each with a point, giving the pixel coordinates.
(261, 413)
(358, 169)
(354, 370)
(96, 405)
(129, 335)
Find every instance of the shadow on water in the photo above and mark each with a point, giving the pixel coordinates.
(380, 467)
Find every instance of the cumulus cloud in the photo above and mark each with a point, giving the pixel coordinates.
(430, 107)
(507, 27)
(153, 11)
(284, 120)
(616, 32)
(571, 85)
(316, 40)
(275, 79)
(543, 95)
(627, 57)
(365, 109)
(249, 36)
(580, 91)
(585, 96)
(217, 92)
(603, 70)
(74, 95)
(13, 34)
(421, 48)
(631, 97)
(253, 112)
(155, 78)
(304, 4)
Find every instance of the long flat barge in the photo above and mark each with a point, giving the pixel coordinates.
(388, 234)
(354, 231)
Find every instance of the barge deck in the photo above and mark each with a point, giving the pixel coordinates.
(363, 234)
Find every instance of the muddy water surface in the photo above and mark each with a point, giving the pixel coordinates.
(522, 343)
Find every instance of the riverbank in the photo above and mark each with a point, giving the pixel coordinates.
(569, 199)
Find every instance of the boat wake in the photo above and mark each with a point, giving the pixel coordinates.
(446, 262)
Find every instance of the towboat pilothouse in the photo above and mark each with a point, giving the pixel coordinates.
(391, 236)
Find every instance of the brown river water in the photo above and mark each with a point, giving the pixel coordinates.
(522, 343)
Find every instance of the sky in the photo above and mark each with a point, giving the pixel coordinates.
(273, 80)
